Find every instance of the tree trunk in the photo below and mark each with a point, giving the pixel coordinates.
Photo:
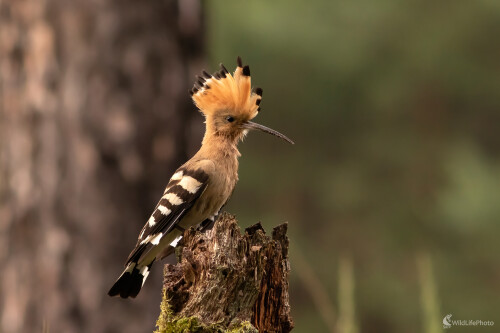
(226, 281)
(93, 116)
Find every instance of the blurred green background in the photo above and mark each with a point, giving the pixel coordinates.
(392, 189)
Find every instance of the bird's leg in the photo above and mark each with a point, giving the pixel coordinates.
(208, 224)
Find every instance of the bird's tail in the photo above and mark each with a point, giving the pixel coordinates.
(129, 284)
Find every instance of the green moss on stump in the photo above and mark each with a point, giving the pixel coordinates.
(168, 323)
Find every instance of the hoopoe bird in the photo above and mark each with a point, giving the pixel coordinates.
(201, 187)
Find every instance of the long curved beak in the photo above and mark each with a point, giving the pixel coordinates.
(250, 125)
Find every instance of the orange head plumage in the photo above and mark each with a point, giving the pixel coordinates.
(229, 103)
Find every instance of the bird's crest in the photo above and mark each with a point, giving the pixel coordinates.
(222, 91)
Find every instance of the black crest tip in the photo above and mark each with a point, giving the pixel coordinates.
(258, 101)
(224, 69)
(205, 73)
(191, 92)
(258, 91)
(200, 78)
(246, 71)
(217, 75)
(240, 63)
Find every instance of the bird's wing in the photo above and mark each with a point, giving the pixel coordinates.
(185, 186)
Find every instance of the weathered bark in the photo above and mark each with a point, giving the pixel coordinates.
(228, 281)
(94, 118)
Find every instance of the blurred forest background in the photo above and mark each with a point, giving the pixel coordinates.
(391, 191)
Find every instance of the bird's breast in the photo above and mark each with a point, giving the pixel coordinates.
(222, 180)
(221, 186)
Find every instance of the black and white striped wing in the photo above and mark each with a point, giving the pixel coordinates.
(183, 189)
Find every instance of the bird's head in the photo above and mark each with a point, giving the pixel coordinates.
(229, 104)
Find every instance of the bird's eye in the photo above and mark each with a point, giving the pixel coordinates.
(230, 119)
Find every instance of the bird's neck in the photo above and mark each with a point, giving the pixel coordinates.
(219, 147)
(224, 154)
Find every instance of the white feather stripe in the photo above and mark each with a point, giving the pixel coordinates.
(164, 210)
(190, 184)
(151, 222)
(178, 175)
(153, 239)
(176, 241)
(144, 272)
(156, 239)
(173, 199)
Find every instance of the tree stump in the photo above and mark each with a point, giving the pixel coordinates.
(225, 281)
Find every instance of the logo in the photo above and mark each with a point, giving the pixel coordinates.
(446, 321)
